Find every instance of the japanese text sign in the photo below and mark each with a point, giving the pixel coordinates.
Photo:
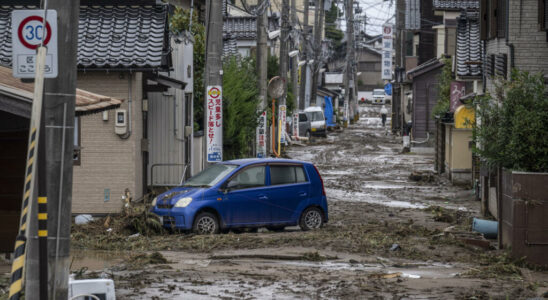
(261, 136)
(214, 128)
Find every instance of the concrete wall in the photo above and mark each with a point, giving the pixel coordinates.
(109, 164)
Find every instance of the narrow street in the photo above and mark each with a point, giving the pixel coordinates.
(388, 237)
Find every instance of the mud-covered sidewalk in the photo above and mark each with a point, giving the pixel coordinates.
(389, 237)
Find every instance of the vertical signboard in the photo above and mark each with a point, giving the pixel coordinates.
(214, 134)
(296, 125)
(261, 136)
(282, 115)
(387, 46)
(457, 91)
(28, 31)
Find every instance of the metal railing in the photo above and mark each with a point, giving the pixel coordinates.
(154, 166)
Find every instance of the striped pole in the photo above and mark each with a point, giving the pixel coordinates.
(18, 266)
(43, 243)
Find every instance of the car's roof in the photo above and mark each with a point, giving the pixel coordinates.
(313, 108)
(249, 161)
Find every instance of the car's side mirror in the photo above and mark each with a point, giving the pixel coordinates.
(230, 185)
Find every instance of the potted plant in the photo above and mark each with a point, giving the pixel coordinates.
(511, 134)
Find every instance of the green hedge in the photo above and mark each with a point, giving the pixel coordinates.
(513, 132)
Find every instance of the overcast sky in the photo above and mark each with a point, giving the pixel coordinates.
(378, 13)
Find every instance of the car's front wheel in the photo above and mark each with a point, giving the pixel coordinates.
(206, 223)
(311, 218)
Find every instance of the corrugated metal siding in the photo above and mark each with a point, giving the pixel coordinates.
(163, 146)
(425, 96)
(166, 122)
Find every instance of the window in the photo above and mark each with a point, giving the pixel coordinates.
(315, 116)
(210, 176)
(543, 14)
(248, 178)
(369, 66)
(493, 19)
(302, 118)
(77, 141)
(286, 175)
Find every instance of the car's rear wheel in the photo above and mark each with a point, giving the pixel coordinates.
(206, 223)
(311, 218)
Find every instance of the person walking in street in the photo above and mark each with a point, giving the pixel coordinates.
(384, 112)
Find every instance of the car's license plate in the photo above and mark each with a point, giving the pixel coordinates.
(313, 129)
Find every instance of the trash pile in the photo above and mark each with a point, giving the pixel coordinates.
(133, 221)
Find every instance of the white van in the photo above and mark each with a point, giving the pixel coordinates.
(317, 120)
(378, 96)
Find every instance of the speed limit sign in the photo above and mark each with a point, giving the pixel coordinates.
(28, 31)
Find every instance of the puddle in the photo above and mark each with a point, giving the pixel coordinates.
(96, 260)
(335, 194)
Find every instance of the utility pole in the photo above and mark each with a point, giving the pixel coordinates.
(284, 43)
(213, 68)
(318, 21)
(262, 59)
(262, 65)
(304, 70)
(60, 99)
(349, 78)
(295, 60)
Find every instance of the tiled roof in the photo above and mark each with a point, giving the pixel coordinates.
(427, 66)
(110, 36)
(242, 28)
(455, 4)
(245, 28)
(86, 102)
(469, 46)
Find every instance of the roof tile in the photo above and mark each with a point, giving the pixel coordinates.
(109, 37)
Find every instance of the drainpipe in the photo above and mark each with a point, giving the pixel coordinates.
(508, 44)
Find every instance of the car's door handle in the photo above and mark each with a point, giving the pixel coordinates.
(263, 198)
(302, 194)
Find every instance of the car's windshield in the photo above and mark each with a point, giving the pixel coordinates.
(316, 116)
(210, 176)
(378, 93)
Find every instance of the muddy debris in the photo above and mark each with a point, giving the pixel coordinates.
(307, 256)
(422, 176)
(138, 261)
(441, 214)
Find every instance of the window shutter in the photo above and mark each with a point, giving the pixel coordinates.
(501, 18)
(501, 65)
(483, 19)
(493, 18)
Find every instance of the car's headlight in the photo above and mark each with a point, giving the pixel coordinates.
(154, 201)
(183, 202)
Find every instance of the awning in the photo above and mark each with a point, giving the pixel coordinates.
(16, 97)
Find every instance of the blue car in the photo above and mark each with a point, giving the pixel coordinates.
(271, 193)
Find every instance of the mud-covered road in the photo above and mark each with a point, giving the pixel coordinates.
(388, 238)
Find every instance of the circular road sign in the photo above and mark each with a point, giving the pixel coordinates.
(31, 32)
